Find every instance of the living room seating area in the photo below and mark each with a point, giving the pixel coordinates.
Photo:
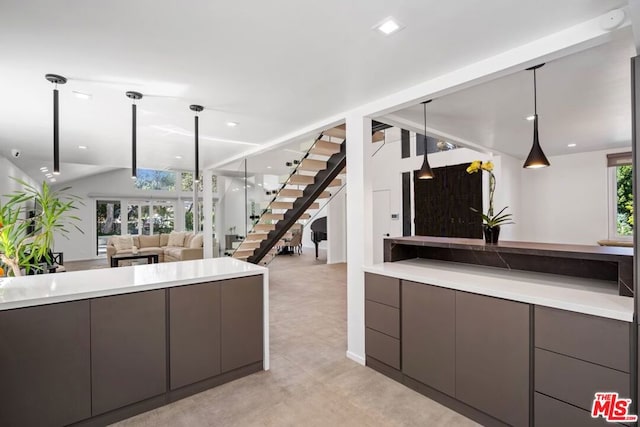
(175, 246)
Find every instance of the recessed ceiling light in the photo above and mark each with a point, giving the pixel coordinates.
(530, 118)
(571, 145)
(44, 169)
(48, 175)
(388, 26)
(178, 157)
(81, 95)
(268, 167)
(82, 147)
(52, 180)
(232, 124)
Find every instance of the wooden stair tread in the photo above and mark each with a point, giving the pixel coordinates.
(312, 165)
(290, 193)
(377, 136)
(272, 217)
(298, 179)
(281, 205)
(335, 183)
(264, 227)
(325, 148)
(336, 132)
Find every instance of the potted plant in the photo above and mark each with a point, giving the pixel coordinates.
(491, 222)
(25, 243)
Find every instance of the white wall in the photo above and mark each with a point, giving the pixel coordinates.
(9, 170)
(568, 201)
(337, 229)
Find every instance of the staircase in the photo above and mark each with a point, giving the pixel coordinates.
(310, 180)
(313, 175)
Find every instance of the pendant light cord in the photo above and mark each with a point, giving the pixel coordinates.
(425, 119)
(535, 94)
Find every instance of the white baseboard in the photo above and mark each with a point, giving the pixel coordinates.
(356, 358)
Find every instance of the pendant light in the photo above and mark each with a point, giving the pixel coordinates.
(536, 158)
(134, 96)
(56, 80)
(196, 169)
(425, 171)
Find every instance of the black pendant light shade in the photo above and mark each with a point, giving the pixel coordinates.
(134, 96)
(196, 168)
(56, 80)
(425, 171)
(536, 158)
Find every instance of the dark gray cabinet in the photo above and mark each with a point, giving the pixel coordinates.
(128, 349)
(194, 328)
(428, 335)
(241, 320)
(492, 356)
(382, 320)
(44, 365)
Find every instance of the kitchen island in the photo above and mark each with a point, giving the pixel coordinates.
(510, 334)
(93, 347)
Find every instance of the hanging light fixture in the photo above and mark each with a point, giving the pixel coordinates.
(425, 171)
(56, 80)
(134, 96)
(536, 158)
(196, 169)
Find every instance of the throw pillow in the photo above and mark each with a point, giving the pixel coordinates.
(176, 238)
(122, 243)
(197, 241)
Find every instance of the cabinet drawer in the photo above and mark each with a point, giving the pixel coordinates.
(551, 412)
(575, 381)
(595, 339)
(382, 289)
(382, 318)
(383, 348)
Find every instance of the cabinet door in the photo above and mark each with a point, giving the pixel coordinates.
(128, 349)
(241, 321)
(44, 365)
(428, 335)
(194, 328)
(492, 356)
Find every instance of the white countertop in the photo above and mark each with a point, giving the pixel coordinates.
(16, 292)
(594, 297)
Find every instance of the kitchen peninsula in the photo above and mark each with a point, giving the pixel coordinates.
(92, 347)
(519, 334)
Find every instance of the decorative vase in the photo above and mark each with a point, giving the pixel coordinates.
(491, 234)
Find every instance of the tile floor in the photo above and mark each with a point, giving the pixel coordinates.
(311, 382)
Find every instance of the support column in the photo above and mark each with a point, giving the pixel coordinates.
(207, 207)
(359, 229)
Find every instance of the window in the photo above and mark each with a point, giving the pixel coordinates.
(149, 179)
(621, 173)
(187, 182)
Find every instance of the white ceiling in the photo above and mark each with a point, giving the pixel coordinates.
(274, 67)
(583, 99)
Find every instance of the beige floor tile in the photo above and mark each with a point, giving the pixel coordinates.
(311, 382)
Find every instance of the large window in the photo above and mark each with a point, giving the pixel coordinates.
(621, 173)
(149, 179)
